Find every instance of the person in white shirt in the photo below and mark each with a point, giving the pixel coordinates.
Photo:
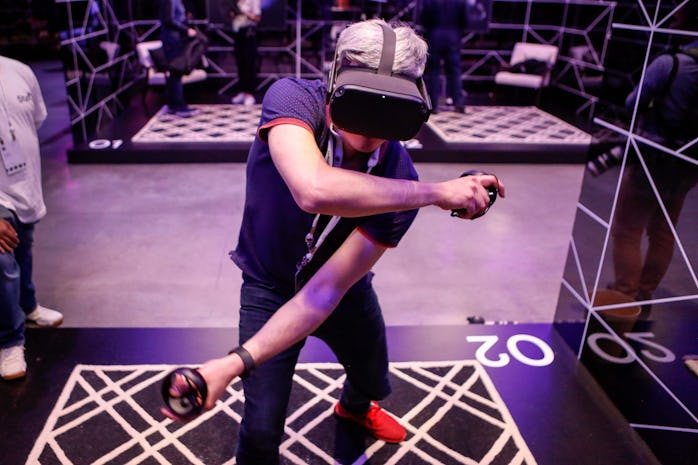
(22, 111)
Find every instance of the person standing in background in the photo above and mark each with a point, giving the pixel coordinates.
(246, 14)
(22, 111)
(174, 33)
(443, 23)
(667, 105)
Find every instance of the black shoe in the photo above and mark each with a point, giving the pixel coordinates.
(186, 112)
(460, 109)
(606, 160)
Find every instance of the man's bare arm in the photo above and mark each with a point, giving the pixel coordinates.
(301, 315)
(320, 188)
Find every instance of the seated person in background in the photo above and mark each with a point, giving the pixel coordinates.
(174, 33)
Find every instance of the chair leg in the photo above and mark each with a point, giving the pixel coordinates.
(143, 98)
(536, 101)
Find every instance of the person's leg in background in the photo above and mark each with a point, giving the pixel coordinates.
(452, 70)
(175, 92)
(635, 205)
(25, 260)
(246, 60)
(173, 44)
(432, 75)
(673, 186)
(249, 57)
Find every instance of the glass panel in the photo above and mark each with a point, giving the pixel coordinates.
(630, 279)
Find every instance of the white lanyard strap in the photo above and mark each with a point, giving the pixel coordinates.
(332, 157)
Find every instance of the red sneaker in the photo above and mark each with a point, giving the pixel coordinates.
(377, 421)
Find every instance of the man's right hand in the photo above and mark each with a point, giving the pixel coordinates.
(469, 194)
(8, 237)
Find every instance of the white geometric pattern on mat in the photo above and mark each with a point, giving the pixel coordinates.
(108, 414)
(215, 123)
(496, 124)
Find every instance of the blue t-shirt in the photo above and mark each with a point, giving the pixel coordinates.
(273, 230)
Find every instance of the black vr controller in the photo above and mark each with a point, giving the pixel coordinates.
(491, 191)
(184, 391)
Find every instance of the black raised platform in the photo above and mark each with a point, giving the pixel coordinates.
(485, 134)
(561, 413)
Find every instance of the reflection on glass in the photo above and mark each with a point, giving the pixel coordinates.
(631, 269)
(648, 206)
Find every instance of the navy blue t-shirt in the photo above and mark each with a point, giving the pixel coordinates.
(273, 230)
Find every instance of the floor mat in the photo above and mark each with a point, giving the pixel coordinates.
(452, 412)
(506, 125)
(215, 123)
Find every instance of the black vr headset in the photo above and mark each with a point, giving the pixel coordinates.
(377, 103)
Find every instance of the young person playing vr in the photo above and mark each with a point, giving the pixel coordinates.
(329, 190)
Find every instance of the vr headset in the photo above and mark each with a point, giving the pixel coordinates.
(377, 103)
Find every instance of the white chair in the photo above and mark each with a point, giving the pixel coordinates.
(522, 52)
(156, 77)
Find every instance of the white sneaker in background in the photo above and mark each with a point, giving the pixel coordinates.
(249, 100)
(239, 98)
(12, 363)
(45, 317)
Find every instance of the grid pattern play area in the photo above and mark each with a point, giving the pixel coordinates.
(507, 125)
(452, 412)
(215, 123)
(481, 124)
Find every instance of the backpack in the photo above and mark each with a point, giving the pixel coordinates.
(678, 136)
(191, 55)
(530, 66)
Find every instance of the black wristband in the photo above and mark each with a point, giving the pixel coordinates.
(246, 358)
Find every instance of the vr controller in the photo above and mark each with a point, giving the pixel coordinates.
(184, 391)
(491, 191)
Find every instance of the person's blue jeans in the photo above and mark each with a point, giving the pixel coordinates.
(444, 46)
(356, 334)
(175, 92)
(246, 58)
(173, 44)
(17, 292)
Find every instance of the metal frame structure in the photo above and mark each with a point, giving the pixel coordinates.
(589, 266)
(89, 107)
(559, 22)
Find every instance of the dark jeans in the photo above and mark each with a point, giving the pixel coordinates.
(246, 58)
(17, 293)
(175, 92)
(638, 214)
(444, 46)
(356, 334)
(173, 42)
